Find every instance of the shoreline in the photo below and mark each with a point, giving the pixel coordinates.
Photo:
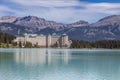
(68, 48)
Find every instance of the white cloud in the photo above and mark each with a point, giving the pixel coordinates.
(4, 8)
(105, 5)
(104, 8)
(47, 3)
(64, 10)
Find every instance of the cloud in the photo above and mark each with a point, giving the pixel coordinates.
(65, 11)
(105, 8)
(4, 8)
(47, 3)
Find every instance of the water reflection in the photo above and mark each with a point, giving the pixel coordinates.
(41, 56)
(57, 64)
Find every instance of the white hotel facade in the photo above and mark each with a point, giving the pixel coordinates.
(44, 40)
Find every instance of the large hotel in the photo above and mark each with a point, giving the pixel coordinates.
(45, 40)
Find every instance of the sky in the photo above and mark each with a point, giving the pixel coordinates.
(63, 11)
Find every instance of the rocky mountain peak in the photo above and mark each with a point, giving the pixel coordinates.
(106, 28)
(79, 23)
(30, 18)
(8, 19)
(110, 20)
(36, 22)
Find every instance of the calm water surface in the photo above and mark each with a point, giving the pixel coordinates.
(59, 64)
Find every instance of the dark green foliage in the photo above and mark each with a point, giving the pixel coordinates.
(6, 38)
(15, 44)
(28, 45)
(20, 44)
(55, 45)
(111, 44)
(36, 46)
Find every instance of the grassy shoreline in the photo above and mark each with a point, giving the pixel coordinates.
(6, 45)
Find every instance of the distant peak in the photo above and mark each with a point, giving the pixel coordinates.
(28, 18)
(80, 22)
(110, 17)
(7, 17)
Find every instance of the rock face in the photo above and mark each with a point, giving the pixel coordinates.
(14, 29)
(8, 19)
(107, 28)
(40, 23)
(110, 20)
(79, 24)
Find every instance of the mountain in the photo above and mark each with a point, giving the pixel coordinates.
(108, 21)
(80, 23)
(40, 23)
(33, 22)
(15, 29)
(107, 28)
(8, 19)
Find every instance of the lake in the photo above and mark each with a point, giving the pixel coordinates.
(59, 64)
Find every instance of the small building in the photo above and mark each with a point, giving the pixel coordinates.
(44, 40)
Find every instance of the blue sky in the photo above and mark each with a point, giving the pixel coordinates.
(64, 11)
(109, 1)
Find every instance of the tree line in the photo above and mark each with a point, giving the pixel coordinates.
(6, 41)
(6, 38)
(110, 44)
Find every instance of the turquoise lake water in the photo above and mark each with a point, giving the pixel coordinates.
(59, 64)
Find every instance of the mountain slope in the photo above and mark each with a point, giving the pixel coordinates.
(35, 22)
(108, 21)
(107, 28)
(7, 19)
(14, 29)
(80, 23)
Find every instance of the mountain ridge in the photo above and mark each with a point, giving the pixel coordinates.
(105, 29)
